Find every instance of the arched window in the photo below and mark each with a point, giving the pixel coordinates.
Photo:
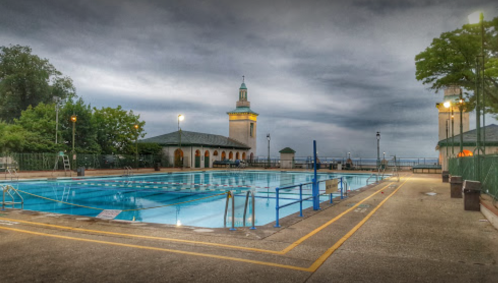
(223, 155)
(243, 156)
(237, 155)
(230, 155)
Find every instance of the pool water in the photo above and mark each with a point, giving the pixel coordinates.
(193, 199)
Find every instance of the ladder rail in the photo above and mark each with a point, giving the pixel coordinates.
(7, 189)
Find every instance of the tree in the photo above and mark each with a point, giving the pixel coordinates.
(26, 79)
(85, 128)
(40, 122)
(451, 60)
(116, 130)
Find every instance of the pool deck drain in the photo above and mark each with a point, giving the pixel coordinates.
(403, 235)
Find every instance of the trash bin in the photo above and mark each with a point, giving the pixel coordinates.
(446, 176)
(80, 171)
(157, 166)
(456, 186)
(471, 195)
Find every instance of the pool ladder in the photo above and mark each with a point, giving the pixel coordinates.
(12, 173)
(128, 171)
(231, 195)
(6, 190)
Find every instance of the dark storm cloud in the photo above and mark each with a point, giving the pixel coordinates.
(334, 71)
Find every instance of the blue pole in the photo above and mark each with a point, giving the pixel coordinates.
(342, 186)
(316, 200)
(301, 200)
(277, 224)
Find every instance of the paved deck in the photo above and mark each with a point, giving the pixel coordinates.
(392, 232)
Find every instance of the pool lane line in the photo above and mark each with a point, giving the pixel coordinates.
(339, 243)
(314, 266)
(162, 250)
(282, 252)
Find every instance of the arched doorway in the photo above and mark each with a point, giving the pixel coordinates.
(230, 155)
(215, 155)
(197, 159)
(178, 157)
(237, 155)
(243, 156)
(223, 155)
(206, 159)
(465, 153)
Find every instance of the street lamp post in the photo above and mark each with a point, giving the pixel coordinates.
(136, 126)
(378, 151)
(461, 124)
(73, 119)
(56, 99)
(452, 133)
(475, 18)
(180, 118)
(269, 139)
(447, 104)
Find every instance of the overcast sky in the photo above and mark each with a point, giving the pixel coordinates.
(333, 71)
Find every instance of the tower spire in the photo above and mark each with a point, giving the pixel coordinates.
(243, 79)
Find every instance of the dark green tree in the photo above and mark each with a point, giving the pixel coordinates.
(26, 79)
(40, 122)
(451, 60)
(116, 132)
(85, 129)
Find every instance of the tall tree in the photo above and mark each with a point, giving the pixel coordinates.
(85, 136)
(451, 60)
(26, 79)
(116, 130)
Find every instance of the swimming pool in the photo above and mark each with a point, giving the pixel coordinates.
(191, 198)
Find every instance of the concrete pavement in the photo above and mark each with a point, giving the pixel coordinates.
(392, 232)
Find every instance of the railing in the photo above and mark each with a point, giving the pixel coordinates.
(344, 187)
(12, 174)
(231, 195)
(128, 171)
(6, 190)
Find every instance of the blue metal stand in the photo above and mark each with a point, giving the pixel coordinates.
(315, 192)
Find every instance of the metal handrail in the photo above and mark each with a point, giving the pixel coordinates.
(253, 196)
(127, 171)
(230, 195)
(7, 189)
(12, 173)
(300, 200)
(373, 174)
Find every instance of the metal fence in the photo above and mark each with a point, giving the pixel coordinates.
(357, 162)
(50, 161)
(488, 175)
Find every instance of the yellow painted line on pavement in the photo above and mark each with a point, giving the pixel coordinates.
(282, 252)
(312, 233)
(161, 249)
(312, 268)
(140, 236)
(332, 249)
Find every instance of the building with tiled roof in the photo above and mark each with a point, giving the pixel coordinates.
(450, 138)
(200, 150)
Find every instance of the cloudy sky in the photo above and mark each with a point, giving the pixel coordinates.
(333, 71)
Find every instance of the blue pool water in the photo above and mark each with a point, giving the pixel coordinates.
(193, 199)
